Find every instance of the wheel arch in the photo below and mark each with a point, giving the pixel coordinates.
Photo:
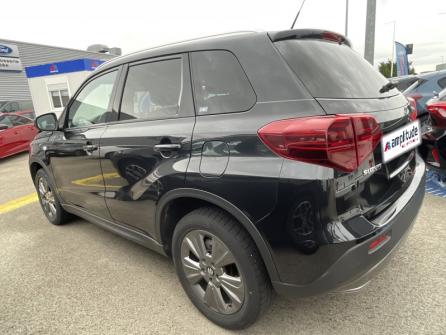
(35, 165)
(194, 198)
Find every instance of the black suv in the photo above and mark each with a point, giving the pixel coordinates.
(257, 161)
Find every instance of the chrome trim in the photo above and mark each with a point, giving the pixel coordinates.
(399, 169)
(402, 201)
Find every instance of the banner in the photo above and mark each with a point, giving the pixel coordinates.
(402, 64)
(9, 58)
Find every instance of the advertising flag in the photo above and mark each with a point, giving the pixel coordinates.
(402, 63)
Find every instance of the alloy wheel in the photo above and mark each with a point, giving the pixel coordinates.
(212, 271)
(46, 196)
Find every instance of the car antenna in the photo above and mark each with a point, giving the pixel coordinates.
(297, 15)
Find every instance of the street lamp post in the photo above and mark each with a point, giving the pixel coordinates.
(393, 47)
(346, 18)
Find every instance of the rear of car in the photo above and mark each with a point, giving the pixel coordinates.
(280, 158)
(433, 149)
(425, 88)
(351, 182)
(16, 133)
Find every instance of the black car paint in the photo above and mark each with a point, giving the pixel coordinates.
(223, 162)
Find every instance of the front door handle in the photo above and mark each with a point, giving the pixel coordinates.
(167, 147)
(89, 148)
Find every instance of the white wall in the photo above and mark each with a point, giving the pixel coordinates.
(38, 87)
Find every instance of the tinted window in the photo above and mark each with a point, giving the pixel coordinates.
(442, 82)
(404, 84)
(5, 119)
(19, 120)
(26, 105)
(220, 84)
(91, 104)
(10, 107)
(332, 70)
(152, 91)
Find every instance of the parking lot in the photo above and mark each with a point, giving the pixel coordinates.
(81, 279)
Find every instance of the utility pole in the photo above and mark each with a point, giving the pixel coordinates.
(369, 50)
(346, 18)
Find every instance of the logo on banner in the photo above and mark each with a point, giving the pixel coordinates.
(53, 68)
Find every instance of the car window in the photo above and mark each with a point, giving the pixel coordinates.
(152, 90)
(332, 70)
(442, 82)
(24, 105)
(220, 84)
(91, 104)
(442, 95)
(10, 107)
(428, 86)
(6, 120)
(20, 120)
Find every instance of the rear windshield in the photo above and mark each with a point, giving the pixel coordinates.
(332, 70)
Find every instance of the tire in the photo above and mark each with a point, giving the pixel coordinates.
(48, 199)
(226, 280)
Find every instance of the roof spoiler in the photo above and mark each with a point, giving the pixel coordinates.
(300, 34)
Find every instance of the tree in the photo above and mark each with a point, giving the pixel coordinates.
(384, 68)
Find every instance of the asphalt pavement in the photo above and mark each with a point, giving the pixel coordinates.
(81, 279)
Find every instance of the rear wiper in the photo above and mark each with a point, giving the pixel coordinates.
(387, 87)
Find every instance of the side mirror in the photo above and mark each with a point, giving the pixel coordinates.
(435, 94)
(46, 122)
(3, 127)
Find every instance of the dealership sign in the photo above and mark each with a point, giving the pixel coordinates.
(9, 58)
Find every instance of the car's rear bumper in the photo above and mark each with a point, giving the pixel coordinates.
(357, 265)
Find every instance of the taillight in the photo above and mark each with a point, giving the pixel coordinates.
(342, 142)
(331, 36)
(438, 115)
(435, 155)
(413, 109)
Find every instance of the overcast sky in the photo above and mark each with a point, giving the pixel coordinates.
(134, 25)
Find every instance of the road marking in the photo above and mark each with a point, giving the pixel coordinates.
(17, 203)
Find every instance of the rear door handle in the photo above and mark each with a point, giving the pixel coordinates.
(167, 147)
(90, 147)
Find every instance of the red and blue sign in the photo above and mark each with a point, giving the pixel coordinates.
(69, 66)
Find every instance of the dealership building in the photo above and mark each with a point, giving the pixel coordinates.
(45, 75)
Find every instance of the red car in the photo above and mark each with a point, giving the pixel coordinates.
(433, 149)
(16, 132)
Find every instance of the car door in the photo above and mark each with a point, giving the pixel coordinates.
(145, 153)
(8, 138)
(24, 130)
(74, 150)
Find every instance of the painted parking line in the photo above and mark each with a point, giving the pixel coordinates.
(18, 202)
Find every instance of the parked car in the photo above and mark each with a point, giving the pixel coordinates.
(257, 161)
(433, 149)
(425, 87)
(23, 108)
(402, 83)
(16, 133)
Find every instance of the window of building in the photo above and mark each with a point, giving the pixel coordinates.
(91, 104)
(152, 91)
(59, 98)
(220, 84)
